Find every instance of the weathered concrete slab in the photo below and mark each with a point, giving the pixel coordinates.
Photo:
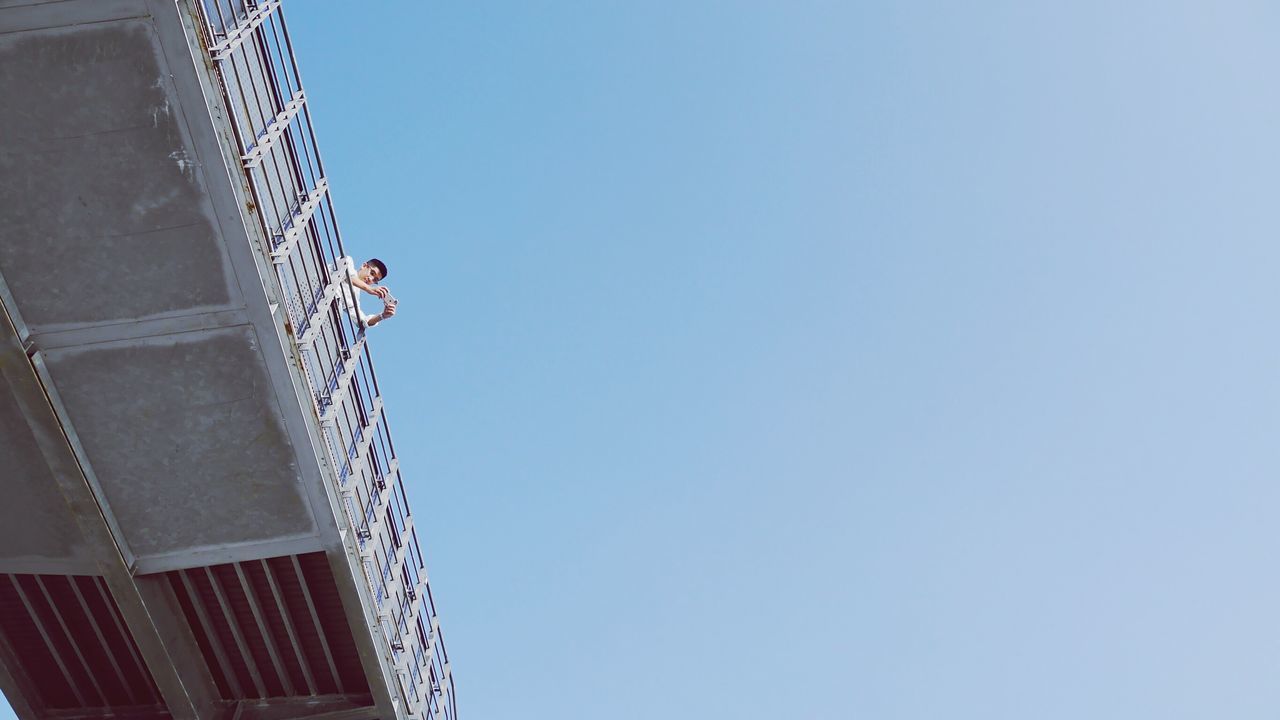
(113, 222)
(184, 437)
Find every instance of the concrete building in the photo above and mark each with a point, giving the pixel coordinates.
(205, 514)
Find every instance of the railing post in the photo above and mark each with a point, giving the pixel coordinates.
(241, 32)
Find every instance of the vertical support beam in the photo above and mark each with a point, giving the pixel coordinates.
(154, 619)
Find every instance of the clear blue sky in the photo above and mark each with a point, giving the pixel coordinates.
(885, 360)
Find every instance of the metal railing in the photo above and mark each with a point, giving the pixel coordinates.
(248, 44)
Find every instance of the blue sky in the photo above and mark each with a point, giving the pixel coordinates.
(827, 360)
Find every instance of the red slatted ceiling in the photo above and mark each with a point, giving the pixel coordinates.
(236, 615)
(99, 667)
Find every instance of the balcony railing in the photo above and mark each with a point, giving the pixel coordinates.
(248, 44)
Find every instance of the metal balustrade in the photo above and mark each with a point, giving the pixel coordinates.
(248, 43)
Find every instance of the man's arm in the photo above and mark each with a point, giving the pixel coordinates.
(371, 289)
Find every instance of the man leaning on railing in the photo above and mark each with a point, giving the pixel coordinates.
(371, 272)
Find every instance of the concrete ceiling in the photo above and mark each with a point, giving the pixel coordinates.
(117, 262)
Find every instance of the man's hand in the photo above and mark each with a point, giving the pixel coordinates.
(386, 313)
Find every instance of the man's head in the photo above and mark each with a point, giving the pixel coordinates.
(373, 270)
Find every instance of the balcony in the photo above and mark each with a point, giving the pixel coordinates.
(209, 483)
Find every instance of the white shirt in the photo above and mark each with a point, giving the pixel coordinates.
(347, 269)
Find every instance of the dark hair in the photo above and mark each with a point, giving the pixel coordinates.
(382, 267)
